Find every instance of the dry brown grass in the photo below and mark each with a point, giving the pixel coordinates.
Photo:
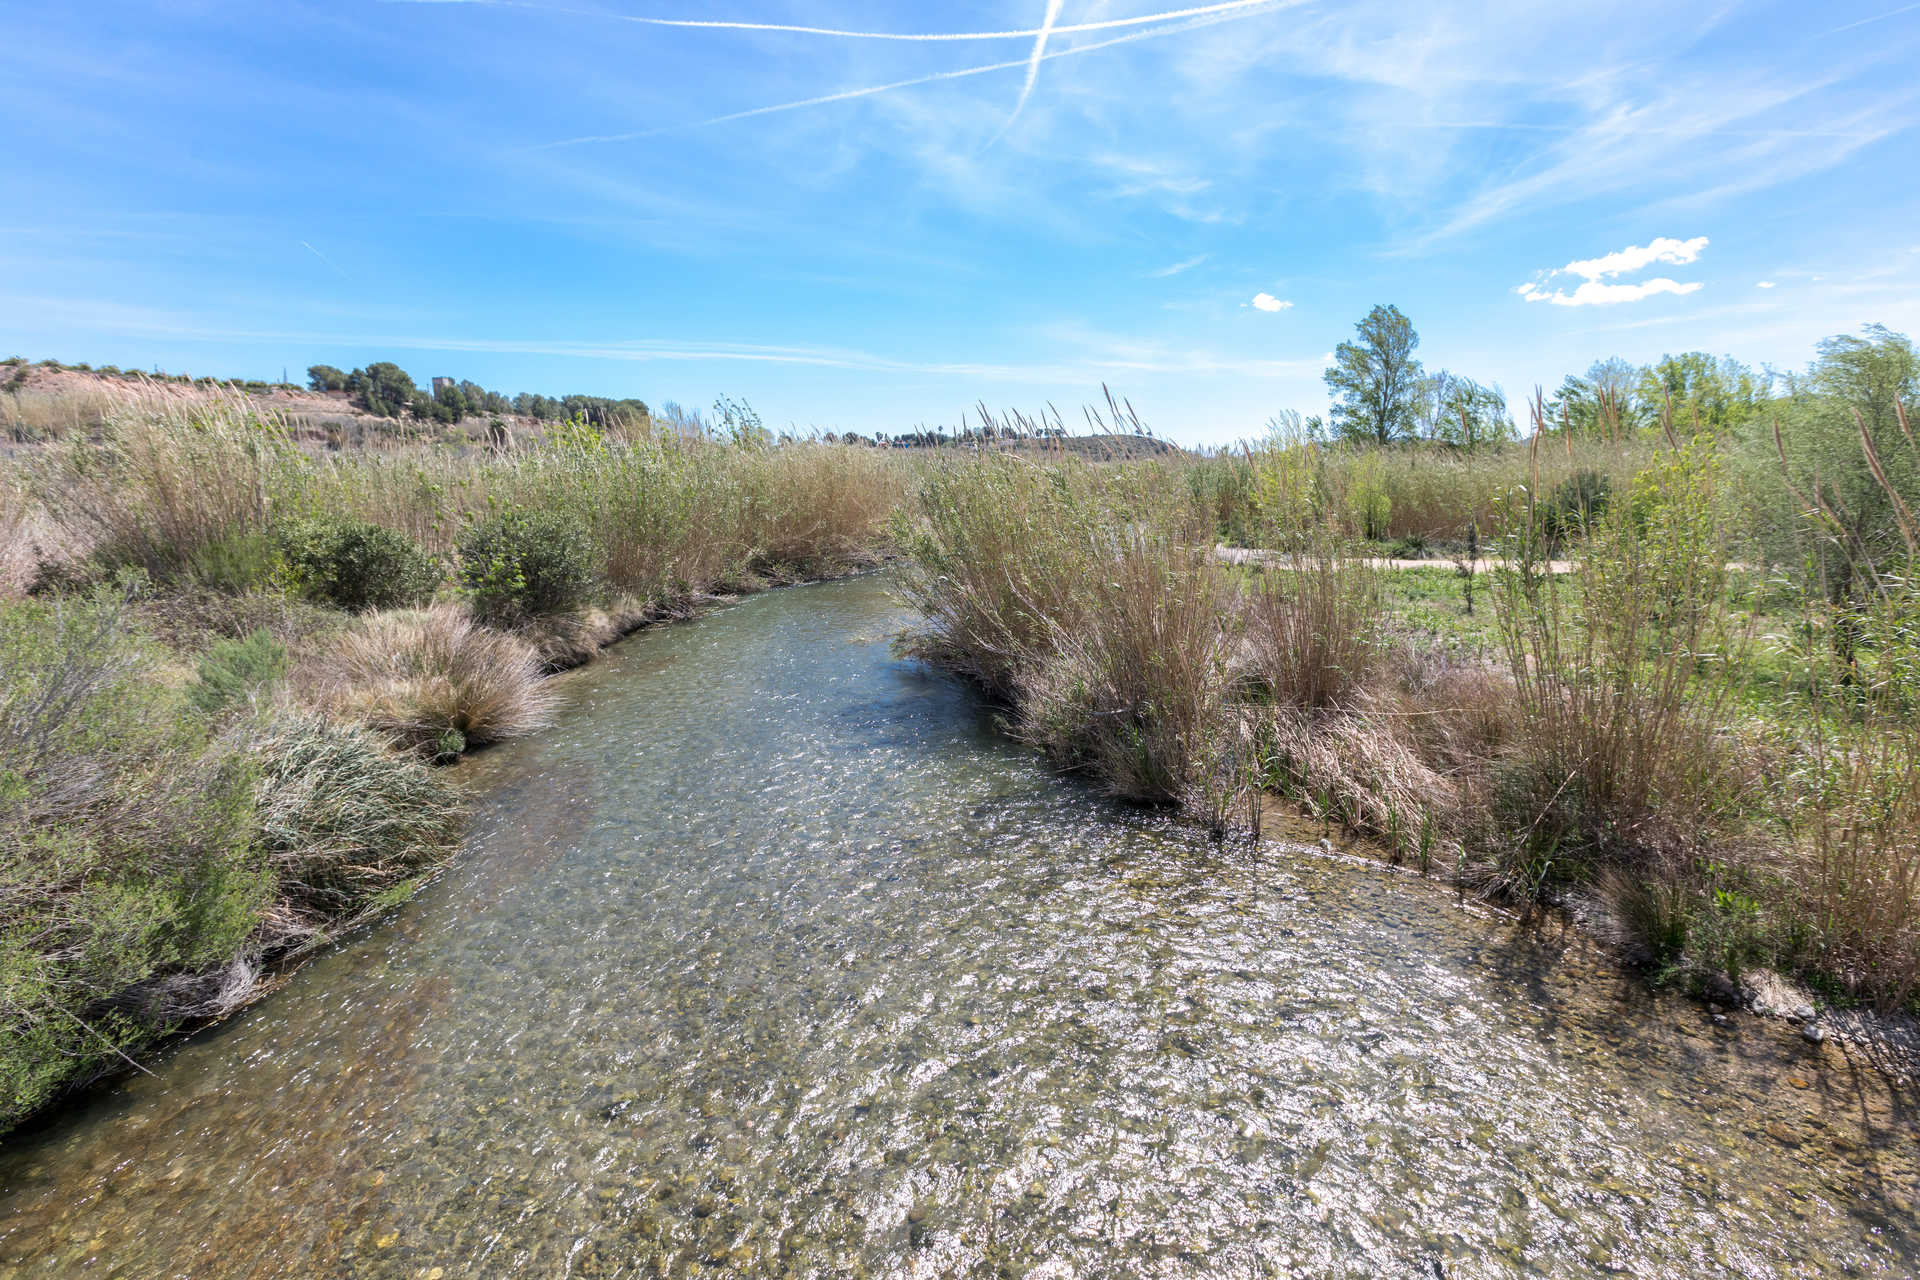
(29, 415)
(431, 680)
(1314, 628)
(1135, 694)
(166, 487)
(19, 556)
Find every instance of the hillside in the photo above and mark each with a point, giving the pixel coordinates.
(44, 401)
(47, 401)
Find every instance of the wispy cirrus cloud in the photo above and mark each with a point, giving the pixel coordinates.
(1171, 23)
(1177, 268)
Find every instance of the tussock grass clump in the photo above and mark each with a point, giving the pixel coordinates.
(1314, 628)
(19, 554)
(431, 680)
(341, 821)
(1001, 554)
(1134, 693)
(815, 509)
(1621, 675)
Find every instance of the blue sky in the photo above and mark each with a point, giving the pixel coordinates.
(572, 196)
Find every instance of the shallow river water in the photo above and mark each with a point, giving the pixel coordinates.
(772, 959)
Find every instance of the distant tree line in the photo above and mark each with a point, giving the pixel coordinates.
(1382, 395)
(386, 390)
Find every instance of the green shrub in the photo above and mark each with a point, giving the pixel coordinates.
(233, 669)
(125, 845)
(357, 566)
(519, 565)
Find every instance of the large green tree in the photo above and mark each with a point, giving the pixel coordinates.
(1375, 380)
(324, 377)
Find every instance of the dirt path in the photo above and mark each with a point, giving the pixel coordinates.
(1256, 556)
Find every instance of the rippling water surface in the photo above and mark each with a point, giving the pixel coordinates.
(773, 960)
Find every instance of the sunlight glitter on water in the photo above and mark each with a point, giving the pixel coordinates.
(772, 959)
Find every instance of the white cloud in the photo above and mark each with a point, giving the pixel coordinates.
(1634, 257)
(1267, 302)
(1595, 294)
(1764, 284)
(1593, 271)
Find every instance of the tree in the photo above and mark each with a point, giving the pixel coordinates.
(1375, 382)
(324, 377)
(1850, 401)
(1459, 411)
(1704, 394)
(452, 403)
(382, 388)
(1603, 405)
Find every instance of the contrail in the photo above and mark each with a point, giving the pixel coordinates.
(1207, 18)
(1033, 68)
(842, 96)
(705, 24)
(1909, 8)
(324, 258)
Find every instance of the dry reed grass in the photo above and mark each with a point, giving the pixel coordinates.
(430, 680)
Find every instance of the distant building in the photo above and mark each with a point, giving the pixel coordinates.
(441, 382)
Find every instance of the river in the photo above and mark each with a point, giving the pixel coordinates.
(774, 959)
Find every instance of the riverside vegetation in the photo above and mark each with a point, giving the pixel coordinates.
(227, 664)
(1679, 698)
(1687, 706)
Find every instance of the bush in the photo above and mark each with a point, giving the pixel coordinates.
(432, 681)
(125, 850)
(357, 566)
(233, 670)
(520, 565)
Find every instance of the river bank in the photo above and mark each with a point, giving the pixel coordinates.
(774, 957)
(1619, 736)
(240, 661)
